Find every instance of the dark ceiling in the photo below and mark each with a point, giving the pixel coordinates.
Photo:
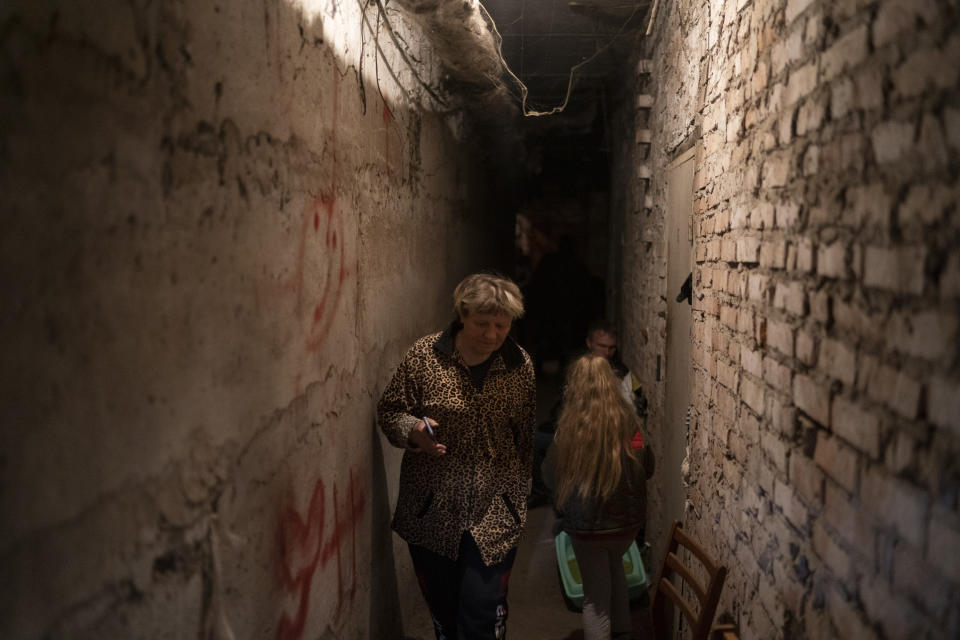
(544, 39)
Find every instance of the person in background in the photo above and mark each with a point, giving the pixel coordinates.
(601, 340)
(598, 479)
(561, 295)
(462, 404)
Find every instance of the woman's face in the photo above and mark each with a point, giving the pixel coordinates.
(484, 333)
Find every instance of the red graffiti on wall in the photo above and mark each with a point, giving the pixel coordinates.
(321, 255)
(321, 267)
(307, 545)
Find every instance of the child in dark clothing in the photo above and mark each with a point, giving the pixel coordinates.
(597, 470)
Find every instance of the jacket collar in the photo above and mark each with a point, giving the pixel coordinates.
(510, 350)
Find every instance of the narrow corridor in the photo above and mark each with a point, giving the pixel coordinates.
(224, 223)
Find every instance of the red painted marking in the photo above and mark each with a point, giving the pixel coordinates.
(304, 550)
(324, 310)
(328, 261)
(295, 536)
(327, 200)
(336, 272)
(319, 271)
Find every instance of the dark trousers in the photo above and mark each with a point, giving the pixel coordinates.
(467, 599)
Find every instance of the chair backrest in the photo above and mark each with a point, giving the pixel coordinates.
(666, 596)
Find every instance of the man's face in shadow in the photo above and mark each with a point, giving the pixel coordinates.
(601, 343)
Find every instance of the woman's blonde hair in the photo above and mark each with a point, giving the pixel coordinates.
(487, 293)
(594, 432)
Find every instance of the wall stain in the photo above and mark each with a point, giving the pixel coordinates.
(306, 546)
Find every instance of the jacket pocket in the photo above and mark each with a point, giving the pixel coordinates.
(426, 505)
(512, 509)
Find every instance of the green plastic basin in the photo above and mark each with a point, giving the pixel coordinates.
(573, 583)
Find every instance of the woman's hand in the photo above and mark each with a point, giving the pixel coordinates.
(421, 439)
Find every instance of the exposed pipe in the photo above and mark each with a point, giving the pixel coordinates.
(653, 16)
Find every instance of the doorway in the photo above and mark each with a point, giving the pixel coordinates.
(677, 368)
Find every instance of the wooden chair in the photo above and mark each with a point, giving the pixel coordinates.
(666, 596)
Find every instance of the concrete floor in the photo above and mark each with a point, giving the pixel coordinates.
(537, 608)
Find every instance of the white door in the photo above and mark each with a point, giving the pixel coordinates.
(677, 367)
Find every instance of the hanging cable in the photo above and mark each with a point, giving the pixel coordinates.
(524, 91)
(653, 16)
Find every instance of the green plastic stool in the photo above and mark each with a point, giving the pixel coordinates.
(573, 583)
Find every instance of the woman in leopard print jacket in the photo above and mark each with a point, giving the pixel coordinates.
(462, 404)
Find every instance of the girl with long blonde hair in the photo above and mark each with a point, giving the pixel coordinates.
(599, 481)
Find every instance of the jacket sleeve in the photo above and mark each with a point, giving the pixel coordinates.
(395, 411)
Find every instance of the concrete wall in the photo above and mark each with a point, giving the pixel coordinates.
(223, 223)
(825, 422)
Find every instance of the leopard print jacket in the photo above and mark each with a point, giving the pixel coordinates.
(482, 482)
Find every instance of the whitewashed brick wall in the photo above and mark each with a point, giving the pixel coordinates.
(825, 430)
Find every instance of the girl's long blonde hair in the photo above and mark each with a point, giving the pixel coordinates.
(594, 432)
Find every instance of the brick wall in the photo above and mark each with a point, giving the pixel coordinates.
(825, 425)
